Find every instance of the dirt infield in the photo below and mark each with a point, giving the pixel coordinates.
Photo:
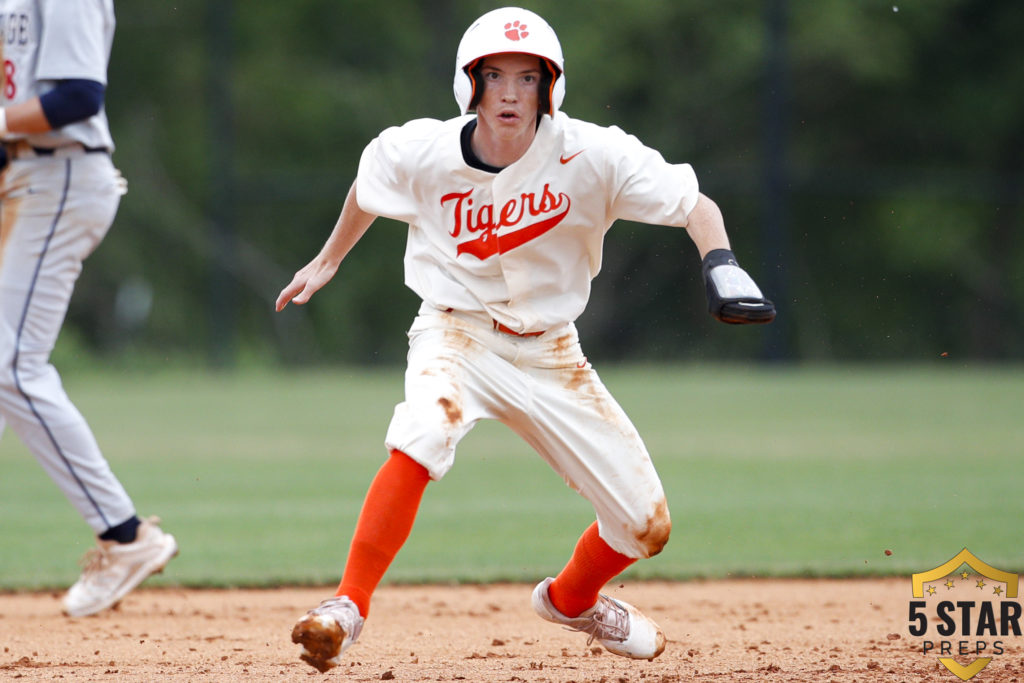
(743, 630)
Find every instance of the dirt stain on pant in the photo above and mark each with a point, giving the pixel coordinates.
(655, 534)
(452, 410)
(8, 217)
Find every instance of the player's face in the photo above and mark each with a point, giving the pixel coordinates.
(508, 106)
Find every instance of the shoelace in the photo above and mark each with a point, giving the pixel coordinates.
(94, 561)
(610, 621)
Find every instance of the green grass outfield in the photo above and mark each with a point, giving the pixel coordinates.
(783, 471)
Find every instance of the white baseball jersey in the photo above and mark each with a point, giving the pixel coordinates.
(45, 41)
(524, 244)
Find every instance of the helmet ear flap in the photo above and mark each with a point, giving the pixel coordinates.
(474, 71)
(549, 74)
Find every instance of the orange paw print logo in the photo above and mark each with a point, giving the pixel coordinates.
(515, 31)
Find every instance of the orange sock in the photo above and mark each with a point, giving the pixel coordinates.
(593, 564)
(385, 521)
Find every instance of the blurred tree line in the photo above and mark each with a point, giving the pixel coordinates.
(868, 157)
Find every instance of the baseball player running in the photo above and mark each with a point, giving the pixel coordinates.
(59, 192)
(507, 207)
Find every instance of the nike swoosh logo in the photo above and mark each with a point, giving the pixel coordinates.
(566, 159)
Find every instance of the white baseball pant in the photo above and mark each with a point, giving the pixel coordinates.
(55, 211)
(461, 370)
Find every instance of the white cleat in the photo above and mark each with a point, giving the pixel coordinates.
(325, 632)
(111, 570)
(620, 627)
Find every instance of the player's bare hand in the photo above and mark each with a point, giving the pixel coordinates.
(306, 282)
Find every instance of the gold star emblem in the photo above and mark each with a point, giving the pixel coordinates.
(931, 590)
(965, 574)
(981, 583)
(997, 590)
(949, 584)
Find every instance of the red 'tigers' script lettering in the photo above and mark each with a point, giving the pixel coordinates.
(485, 219)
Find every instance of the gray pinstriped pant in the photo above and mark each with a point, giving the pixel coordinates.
(55, 211)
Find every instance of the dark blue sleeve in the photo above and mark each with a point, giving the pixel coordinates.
(73, 100)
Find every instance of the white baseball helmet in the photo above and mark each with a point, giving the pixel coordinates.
(509, 29)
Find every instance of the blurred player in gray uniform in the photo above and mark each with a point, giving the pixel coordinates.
(507, 207)
(59, 192)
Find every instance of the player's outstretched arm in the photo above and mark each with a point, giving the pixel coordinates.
(706, 226)
(351, 226)
(733, 296)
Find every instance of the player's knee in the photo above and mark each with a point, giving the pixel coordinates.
(414, 431)
(7, 371)
(654, 535)
(21, 372)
